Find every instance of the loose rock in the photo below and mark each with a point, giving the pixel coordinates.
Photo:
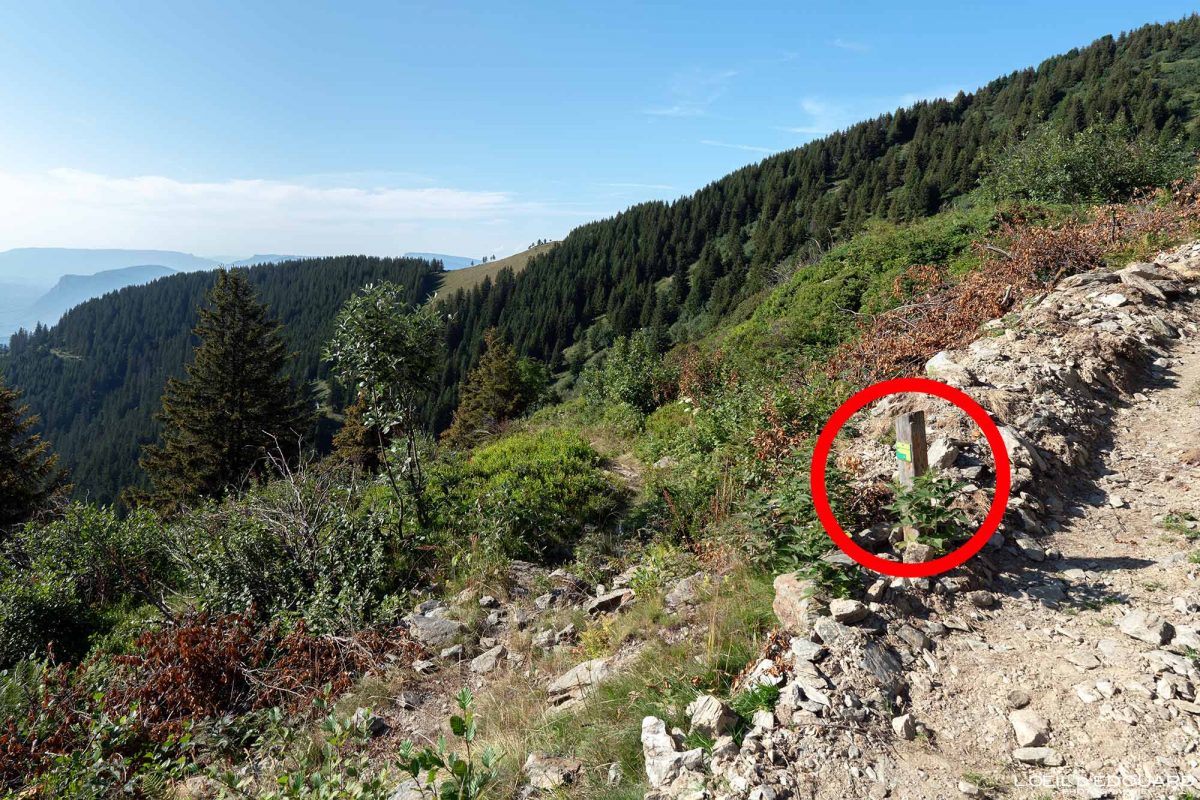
(711, 717)
(1029, 728)
(488, 661)
(847, 611)
(547, 772)
(904, 727)
(1038, 756)
(1146, 627)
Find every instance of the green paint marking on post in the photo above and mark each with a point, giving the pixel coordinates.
(904, 451)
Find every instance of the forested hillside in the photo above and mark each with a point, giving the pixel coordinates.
(96, 377)
(675, 268)
(723, 244)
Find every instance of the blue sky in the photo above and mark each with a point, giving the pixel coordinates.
(468, 128)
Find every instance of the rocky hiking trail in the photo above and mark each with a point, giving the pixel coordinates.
(1059, 662)
(1055, 656)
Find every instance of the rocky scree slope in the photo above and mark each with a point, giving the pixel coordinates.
(1060, 661)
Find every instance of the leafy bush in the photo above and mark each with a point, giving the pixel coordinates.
(733, 435)
(117, 726)
(658, 564)
(632, 372)
(56, 579)
(925, 507)
(301, 546)
(337, 768)
(787, 517)
(1102, 163)
(57, 739)
(391, 354)
(338, 764)
(528, 495)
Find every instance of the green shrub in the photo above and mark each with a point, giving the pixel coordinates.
(710, 441)
(391, 355)
(36, 611)
(632, 372)
(57, 579)
(926, 508)
(337, 766)
(666, 425)
(658, 564)
(1102, 163)
(443, 774)
(530, 495)
(303, 546)
(786, 516)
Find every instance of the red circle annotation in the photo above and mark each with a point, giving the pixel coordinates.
(820, 494)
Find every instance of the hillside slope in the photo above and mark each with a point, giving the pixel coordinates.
(1063, 655)
(468, 278)
(684, 265)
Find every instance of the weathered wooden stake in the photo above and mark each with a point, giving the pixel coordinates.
(912, 451)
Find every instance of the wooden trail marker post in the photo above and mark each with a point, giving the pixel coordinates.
(912, 451)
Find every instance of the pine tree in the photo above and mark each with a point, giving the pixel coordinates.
(497, 390)
(235, 406)
(29, 472)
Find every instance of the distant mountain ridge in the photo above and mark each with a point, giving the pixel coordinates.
(71, 290)
(449, 262)
(63, 277)
(43, 266)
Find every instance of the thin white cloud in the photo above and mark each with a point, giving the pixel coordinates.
(734, 146)
(74, 208)
(678, 110)
(852, 46)
(823, 117)
(693, 91)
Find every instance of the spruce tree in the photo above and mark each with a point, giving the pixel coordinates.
(29, 472)
(234, 408)
(496, 391)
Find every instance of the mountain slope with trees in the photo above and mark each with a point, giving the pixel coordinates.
(689, 263)
(96, 377)
(678, 269)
